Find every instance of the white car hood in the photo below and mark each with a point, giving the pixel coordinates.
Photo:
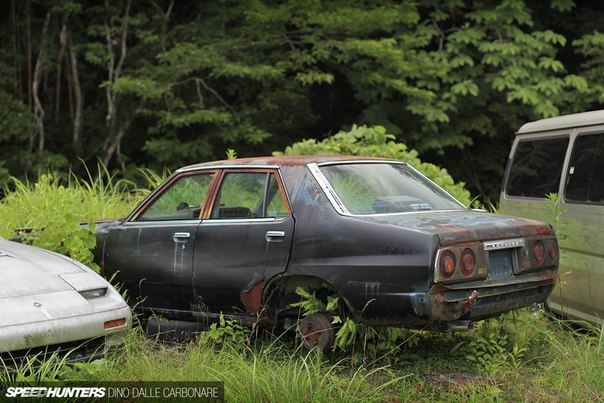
(25, 270)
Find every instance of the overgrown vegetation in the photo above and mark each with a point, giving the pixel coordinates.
(519, 357)
(51, 209)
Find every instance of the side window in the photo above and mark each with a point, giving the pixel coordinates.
(536, 167)
(249, 195)
(275, 201)
(181, 201)
(585, 183)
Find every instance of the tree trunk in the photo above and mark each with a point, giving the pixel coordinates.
(79, 102)
(63, 43)
(29, 54)
(115, 144)
(113, 139)
(38, 108)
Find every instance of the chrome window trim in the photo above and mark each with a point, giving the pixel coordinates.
(328, 190)
(345, 162)
(217, 221)
(225, 167)
(201, 170)
(337, 204)
(165, 223)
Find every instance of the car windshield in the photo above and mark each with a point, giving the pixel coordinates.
(377, 188)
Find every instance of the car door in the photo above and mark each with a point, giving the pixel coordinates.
(152, 252)
(579, 293)
(244, 242)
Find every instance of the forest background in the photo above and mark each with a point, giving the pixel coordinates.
(165, 83)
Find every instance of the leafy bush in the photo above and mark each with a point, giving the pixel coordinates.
(376, 142)
(53, 208)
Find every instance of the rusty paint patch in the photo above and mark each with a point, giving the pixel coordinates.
(252, 299)
(448, 311)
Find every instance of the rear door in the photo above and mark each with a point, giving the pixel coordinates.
(244, 242)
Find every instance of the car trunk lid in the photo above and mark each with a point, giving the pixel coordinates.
(454, 227)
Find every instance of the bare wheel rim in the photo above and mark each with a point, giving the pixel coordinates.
(317, 332)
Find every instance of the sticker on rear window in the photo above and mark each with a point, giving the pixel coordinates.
(420, 206)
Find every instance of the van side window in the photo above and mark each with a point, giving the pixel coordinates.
(536, 167)
(585, 183)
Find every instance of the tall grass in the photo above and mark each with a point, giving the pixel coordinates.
(53, 207)
(559, 365)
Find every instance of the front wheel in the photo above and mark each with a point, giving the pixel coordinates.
(317, 331)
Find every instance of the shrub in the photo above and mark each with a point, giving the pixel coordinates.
(376, 142)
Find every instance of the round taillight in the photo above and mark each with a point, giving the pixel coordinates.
(446, 264)
(467, 262)
(553, 250)
(539, 252)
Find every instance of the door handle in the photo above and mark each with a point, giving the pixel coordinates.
(275, 236)
(180, 236)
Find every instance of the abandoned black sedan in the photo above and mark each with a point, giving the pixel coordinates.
(239, 237)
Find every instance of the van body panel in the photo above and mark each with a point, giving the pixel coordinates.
(579, 294)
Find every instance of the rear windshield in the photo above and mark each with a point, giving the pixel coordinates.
(386, 188)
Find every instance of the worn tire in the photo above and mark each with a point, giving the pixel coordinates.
(317, 332)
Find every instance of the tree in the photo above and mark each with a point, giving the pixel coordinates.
(166, 83)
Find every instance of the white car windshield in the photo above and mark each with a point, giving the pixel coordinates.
(378, 188)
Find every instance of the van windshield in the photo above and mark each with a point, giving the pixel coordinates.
(377, 188)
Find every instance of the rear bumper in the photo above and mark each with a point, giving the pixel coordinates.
(443, 304)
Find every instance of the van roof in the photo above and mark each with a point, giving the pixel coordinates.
(562, 122)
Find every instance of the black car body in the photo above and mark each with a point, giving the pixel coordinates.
(238, 237)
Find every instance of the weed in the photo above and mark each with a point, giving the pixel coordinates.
(226, 332)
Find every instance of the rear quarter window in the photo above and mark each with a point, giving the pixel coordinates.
(536, 167)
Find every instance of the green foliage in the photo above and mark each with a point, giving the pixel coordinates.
(365, 344)
(555, 211)
(177, 83)
(53, 209)
(369, 345)
(377, 142)
(226, 332)
(309, 303)
(558, 364)
(231, 154)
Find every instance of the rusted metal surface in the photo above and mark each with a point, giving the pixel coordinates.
(461, 227)
(445, 311)
(317, 331)
(252, 299)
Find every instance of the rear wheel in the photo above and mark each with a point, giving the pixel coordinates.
(317, 331)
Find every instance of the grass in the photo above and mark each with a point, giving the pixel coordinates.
(557, 364)
(53, 208)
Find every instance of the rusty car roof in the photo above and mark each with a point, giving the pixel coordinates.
(282, 161)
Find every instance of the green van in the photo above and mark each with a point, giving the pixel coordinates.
(565, 155)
